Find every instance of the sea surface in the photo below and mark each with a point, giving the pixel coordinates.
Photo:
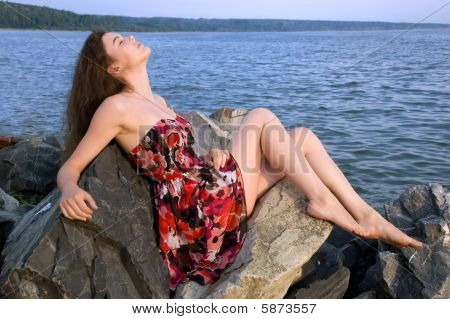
(378, 100)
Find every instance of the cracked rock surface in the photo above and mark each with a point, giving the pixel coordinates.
(423, 212)
(281, 239)
(113, 256)
(30, 166)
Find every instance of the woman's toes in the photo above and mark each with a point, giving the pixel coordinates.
(361, 231)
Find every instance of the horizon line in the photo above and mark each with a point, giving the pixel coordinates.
(168, 17)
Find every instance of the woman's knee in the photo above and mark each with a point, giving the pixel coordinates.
(300, 136)
(263, 114)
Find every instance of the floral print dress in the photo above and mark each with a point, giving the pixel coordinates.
(202, 215)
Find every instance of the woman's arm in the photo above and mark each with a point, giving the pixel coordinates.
(105, 125)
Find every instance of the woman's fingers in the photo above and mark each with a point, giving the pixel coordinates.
(219, 157)
(222, 159)
(85, 210)
(91, 201)
(216, 157)
(225, 157)
(82, 205)
(76, 209)
(70, 212)
(71, 208)
(65, 213)
(207, 159)
(76, 203)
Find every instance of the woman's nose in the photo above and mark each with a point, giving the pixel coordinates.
(131, 38)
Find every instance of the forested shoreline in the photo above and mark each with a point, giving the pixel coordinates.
(22, 16)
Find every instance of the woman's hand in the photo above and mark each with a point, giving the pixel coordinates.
(216, 157)
(73, 203)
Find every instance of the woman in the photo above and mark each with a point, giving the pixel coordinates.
(111, 98)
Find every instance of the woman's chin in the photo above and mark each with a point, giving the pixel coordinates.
(148, 52)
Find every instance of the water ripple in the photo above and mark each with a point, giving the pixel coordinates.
(384, 121)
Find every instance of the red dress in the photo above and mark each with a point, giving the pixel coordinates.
(202, 216)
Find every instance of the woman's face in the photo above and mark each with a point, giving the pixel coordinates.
(126, 52)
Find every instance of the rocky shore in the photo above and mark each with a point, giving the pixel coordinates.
(287, 254)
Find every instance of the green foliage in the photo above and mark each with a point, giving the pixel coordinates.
(15, 15)
(23, 199)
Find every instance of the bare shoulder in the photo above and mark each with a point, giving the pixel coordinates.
(113, 110)
(115, 103)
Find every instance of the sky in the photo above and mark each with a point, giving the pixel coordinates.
(340, 10)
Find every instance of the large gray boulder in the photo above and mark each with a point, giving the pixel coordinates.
(113, 256)
(7, 202)
(208, 132)
(281, 239)
(324, 276)
(228, 119)
(29, 167)
(422, 211)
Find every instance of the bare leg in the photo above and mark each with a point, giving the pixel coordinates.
(311, 147)
(262, 133)
(324, 166)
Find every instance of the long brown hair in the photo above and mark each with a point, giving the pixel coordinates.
(91, 84)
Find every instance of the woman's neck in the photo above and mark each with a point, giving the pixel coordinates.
(140, 83)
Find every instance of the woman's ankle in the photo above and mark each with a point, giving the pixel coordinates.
(321, 207)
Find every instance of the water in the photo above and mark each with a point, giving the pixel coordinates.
(385, 121)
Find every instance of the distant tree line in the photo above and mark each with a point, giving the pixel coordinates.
(22, 16)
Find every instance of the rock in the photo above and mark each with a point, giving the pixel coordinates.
(8, 220)
(371, 278)
(323, 276)
(113, 256)
(29, 167)
(207, 133)
(8, 140)
(358, 248)
(359, 255)
(422, 212)
(339, 237)
(333, 286)
(441, 200)
(229, 119)
(22, 209)
(397, 281)
(7, 202)
(370, 294)
(434, 230)
(417, 201)
(439, 197)
(281, 239)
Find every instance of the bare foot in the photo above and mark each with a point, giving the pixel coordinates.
(377, 227)
(332, 210)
